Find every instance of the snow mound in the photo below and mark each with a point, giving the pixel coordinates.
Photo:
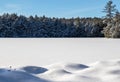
(103, 71)
(18, 76)
(71, 67)
(59, 72)
(55, 74)
(34, 69)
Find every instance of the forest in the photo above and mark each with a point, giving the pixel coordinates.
(14, 26)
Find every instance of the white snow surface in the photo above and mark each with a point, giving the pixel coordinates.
(35, 52)
(31, 58)
(103, 71)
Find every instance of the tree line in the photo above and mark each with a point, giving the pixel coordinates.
(12, 25)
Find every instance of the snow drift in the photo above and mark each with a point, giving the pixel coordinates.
(103, 71)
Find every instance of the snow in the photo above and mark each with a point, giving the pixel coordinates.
(34, 69)
(102, 71)
(61, 60)
(27, 52)
(18, 76)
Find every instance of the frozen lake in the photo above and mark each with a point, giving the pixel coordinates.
(40, 52)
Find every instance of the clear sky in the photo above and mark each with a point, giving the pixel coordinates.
(56, 8)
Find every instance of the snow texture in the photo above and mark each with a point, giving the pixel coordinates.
(102, 71)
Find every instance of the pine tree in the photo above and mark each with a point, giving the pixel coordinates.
(110, 9)
(112, 30)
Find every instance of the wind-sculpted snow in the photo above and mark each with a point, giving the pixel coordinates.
(34, 69)
(18, 76)
(103, 71)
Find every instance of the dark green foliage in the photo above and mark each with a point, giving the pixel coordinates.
(15, 26)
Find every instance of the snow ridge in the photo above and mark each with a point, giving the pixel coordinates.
(103, 71)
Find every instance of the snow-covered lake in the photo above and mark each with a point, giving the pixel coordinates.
(41, 52)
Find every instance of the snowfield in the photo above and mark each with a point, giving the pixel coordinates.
(35, 52)
(37, 60)
(103, 71)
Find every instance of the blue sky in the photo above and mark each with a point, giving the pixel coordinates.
(56, 8)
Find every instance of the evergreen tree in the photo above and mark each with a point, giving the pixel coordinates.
(112, 30)
(110, 9)
(12, 25)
